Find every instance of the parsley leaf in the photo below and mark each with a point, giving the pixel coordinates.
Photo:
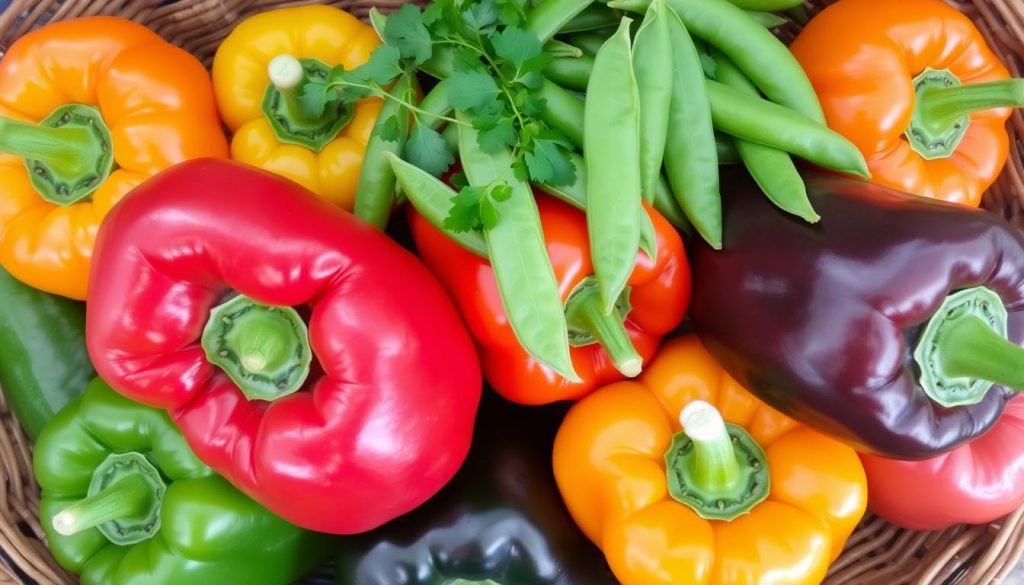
(488, 213)
(501, 192)
(511, 12)
(381, 69)
(390, 130)
(516, 46)
(549, 163)
(313, 98)
(480, 15)
(406, 32)
(464, 216)
(472, 89)
(495, 137)
(426, 149)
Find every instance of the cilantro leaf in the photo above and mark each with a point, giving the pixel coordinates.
(406, 32)
(488, 213)
(464, 215)
(497, 136)
(549, 163)
(511, 12)
(381, 69)
(707, 63)
(426, 149)
(313, 98)
(480, 15)
(501, 192)
(472, 89)
(516, 46)
(390, 130)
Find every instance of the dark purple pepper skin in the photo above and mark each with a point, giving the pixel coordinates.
(820, 321)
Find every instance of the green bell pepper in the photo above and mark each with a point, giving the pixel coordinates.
(42, 341)
(125, 501)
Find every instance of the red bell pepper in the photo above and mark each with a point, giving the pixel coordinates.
(658, 294)
(368, 432)
(976, 483)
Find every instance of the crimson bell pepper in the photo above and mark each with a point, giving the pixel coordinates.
(653, 304)
(338, 428)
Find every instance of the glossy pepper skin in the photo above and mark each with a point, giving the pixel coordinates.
(157, 102)
(820, 322)
(209, 532)
(42, 341)
(385, 416)
(659, 296)
(609, 462)
(500, 518)
(240, 80)
(862, 57)
(976, 483)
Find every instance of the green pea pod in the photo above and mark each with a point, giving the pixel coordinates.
(451, 137)
(436, 104)
(766, 19)
(574, 194)
(648, 238)
(764, 59)
(571, 73)
(691, 155)
(378, 20)
(519, 257)
(758, 120)
(772, 169)
(589, 42)
(767, 5)
(375, 192)
(561, 50)
(548, 17)
(43, 360)
(563, 111)
(611, 149)
(666, 204)
(652, 61)
(433, 200)
(593, 17)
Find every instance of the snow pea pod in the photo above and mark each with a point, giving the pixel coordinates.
(563, 111)
(766, 19)
(653, 64)
(763, 58)
(593, 17)
(548, 17)
(589, 42)
(767, 5)
(519, 257)
(569, 72)
(691, 155)
(772, 169)
(375, 192)
(432, 199)
(758, 120)
(611, 147)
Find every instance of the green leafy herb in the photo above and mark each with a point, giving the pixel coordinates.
(426, 149)
(472, 89)
(501, 134)
(407, 32)
(549, 163)
(464, 215)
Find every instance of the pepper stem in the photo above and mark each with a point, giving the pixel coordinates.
(588, 323)
(263, 349)
(288, 77)
(964, 349)
(715, 468)
(282, 105)
(123, 502)
(68, 154)
(130, 497)
(943, 107)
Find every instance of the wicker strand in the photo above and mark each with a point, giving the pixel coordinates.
(876, 554)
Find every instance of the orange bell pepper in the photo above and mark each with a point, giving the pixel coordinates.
(90, 108)
(913, 84)
(260, 102)
(762, 499)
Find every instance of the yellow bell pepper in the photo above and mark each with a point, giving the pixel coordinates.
(760, 500)
(325, 154)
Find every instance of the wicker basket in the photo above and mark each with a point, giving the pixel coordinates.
(878, 553)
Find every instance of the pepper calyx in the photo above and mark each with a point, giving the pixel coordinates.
(68, 154)
(283, 109)
(264, 349)
(123, 502)
(715, 468)
(588, 324)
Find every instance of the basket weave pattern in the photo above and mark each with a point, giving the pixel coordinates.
(878, 553)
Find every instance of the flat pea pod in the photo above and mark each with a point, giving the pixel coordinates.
(768, 20)
(589, 42)
(557, 49)
(563, 111)
(758, 120)
(571, 73)
(772, 169)
(767, 5)
(43, 359)
(375, 192)
(519, 257)
(436, 104)
(665, 203)
(611, 150)
(432, 199)
(653, 64)
(593, 17)
(691, 154)
(548, 17)
(762, 57)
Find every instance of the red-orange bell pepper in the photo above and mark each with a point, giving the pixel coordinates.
(913, 84)
(657, 298)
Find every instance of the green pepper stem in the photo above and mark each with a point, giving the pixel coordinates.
(715, 468)
(288, 77)
(61, 149)
(968, 347)
(941, 107)
(129, 498)
(584, 313)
